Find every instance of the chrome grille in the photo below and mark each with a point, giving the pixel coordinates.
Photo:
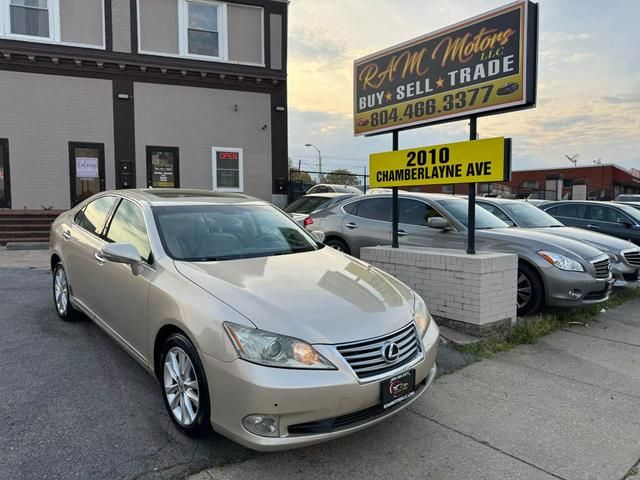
(366, 358)
(633, 257)
(602, 268)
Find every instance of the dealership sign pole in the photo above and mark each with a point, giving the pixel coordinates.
(482, 66)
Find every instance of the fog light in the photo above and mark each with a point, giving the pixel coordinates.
(263, 425)
(575, 293)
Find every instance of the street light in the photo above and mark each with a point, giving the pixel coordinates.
(319, 156)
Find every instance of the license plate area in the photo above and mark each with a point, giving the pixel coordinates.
(398, 388)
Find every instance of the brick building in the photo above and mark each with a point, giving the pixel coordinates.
(602, 182)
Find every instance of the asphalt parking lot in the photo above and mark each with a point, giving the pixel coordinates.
(76, 406)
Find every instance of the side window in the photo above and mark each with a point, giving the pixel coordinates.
(414, 212)
(571, 210)
(78, 216)
(128, 226)
(612, 215)
(352, 208)
(375, 209)
(492, 209)
(95, 214)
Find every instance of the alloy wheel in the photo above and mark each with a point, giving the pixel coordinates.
(61, 291)
(181, 386)
(525, 290)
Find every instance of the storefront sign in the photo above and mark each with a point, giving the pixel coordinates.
(484, 65)
(477, 161)
(87, 167)
(228, 169)
(162, 175)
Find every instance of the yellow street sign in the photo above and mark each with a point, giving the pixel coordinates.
(477, 161)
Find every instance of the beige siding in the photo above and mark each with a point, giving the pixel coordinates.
(196, 119)
(276, 41)
(121, 21)
(81, 21)
(41, 114)
(245, 34)
(158, 21)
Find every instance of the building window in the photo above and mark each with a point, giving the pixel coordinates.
(228, 174)
(30, 17)
(530, 184)
(447, 189)
(202, 31)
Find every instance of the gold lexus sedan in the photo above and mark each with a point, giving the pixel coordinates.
(249, 323)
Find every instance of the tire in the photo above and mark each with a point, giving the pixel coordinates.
(338, 244)
(181, 387)
(61, 299)
(530, 290)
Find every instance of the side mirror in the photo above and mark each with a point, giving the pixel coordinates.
(439, 223)
(123, 253)
(625, 222)
(318, 236)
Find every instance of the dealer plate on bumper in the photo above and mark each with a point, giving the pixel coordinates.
(398, 388)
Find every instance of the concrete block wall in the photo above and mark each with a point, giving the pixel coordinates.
(473, 293)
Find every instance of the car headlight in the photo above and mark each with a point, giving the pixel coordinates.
(422, 315)
(614, 258)
(273, 350)
(562, 262)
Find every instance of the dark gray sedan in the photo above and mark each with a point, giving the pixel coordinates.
(553, 270)
(624, 255)
(617, 219)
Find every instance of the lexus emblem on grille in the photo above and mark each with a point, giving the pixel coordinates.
(390, 352)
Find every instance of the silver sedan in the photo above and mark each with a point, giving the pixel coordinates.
(552, 271)
(248, 323)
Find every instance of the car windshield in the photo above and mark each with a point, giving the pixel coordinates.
(205, 233)
(460, 210)
(528, 216)
(308, 204)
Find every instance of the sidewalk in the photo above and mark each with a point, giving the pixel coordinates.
(567, 407)
(24, 258)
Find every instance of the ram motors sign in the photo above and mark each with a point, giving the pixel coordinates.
(484, 65)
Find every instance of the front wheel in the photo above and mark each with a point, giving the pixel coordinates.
(530, 290)
(184, 386)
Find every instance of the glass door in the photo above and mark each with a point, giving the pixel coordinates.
(163, 167)
(86, 167)
(5, 180)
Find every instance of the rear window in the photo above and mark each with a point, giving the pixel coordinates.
(308, 204)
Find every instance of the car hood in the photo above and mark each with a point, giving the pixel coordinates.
(535, 240)
(322, 296)
(601, 241)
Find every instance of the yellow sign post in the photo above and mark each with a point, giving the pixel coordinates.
(477, 161)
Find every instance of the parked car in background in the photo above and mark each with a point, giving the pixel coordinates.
(617, 219)
(635, 205)
(553, 270)
(248, 323)
(624, 255)
(628, 198)
(330, 188)
(300, 209)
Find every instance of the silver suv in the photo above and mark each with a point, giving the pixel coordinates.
(552, 271)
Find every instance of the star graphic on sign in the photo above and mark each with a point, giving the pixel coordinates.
(440, 83)
(389, 96)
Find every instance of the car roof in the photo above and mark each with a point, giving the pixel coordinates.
(590, 202)
(184, 196)
(330, 194)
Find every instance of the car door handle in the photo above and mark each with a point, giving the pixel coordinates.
(593, 227)
(351, 225)
(402, 233)
(66, 235)
(99, 258)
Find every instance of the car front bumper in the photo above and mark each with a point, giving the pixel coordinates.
(560, 285)
(299, 397)
(625, 275)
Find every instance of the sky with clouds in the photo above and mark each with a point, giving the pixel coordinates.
(588, 80)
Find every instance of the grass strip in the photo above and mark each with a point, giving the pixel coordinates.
(529, 329)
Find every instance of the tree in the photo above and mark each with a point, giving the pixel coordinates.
(296, 175)
(341, 176)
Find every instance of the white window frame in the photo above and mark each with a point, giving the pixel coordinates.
(183, 30)
(214, 164)
(54, 27)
